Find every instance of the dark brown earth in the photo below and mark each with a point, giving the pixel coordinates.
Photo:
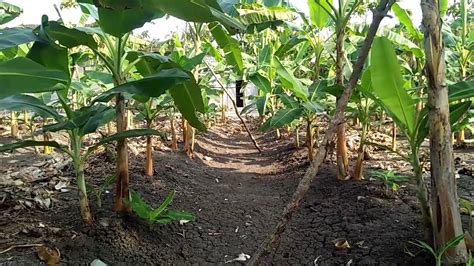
(237, 196)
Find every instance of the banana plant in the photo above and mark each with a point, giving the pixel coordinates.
(304, 104)
(116, 20)
(148, 111)
(363, 103)
(78, 124)
(460, 53)
(321, 12)
(46, 68)
(390, 92)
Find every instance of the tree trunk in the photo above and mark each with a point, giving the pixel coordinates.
(277, 134)
(341, 153)
(26, 117)
(310, 140)
(109, 128)
(149, 153)
(149, 157)
(130, 121)
(422, 196)
(359, 167)
(83, 200)
(446, 219)
(184, 126)
(122, 183)
(14, 125)
(461, 137)
(174, 138)
(189, 144)
(47, 149)
(188, 132)
(297, 137)
(262, 255)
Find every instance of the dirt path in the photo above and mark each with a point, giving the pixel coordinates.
(236, 195)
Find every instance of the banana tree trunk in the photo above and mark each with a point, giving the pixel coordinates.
(83, 200)
(47, 149)
(189, 145)
(122, 183)
(461, 137)
(446, 219)
(130, 120)
(14, 125)
(297, 137)
(26, 117)
(422, 195)
(149, 154)
(188, 133)
(310, 140)
(341, 153)
(184, 126)
(277, 134)
(359, 167)
(223, 109)
(174, 138)
(109, 128)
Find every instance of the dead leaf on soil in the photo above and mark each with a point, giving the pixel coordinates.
(342, 244)
(48, 255)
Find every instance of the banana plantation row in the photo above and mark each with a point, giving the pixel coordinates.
(336, 62)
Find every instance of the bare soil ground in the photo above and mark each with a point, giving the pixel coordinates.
(236, 194)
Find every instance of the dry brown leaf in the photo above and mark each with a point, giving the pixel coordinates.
(48, 255)
(342, 244)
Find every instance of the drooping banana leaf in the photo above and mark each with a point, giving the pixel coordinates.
(30, 103)
(387, 82)
(8, 12)
(23, 75)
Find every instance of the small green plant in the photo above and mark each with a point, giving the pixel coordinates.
(469, 262)
(157, 215)
(438, 254)
(109, 181)
(390, 179)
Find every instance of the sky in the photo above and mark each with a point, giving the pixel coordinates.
(158, 29)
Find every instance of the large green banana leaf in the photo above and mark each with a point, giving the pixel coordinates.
(187, 97)
(230, 46)
(31, 103)
(12, 37)
(318, 12)
(289, 81)
(387, 82)
(462, 90)
(8, 12)
(150, 86)
(23, 75)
